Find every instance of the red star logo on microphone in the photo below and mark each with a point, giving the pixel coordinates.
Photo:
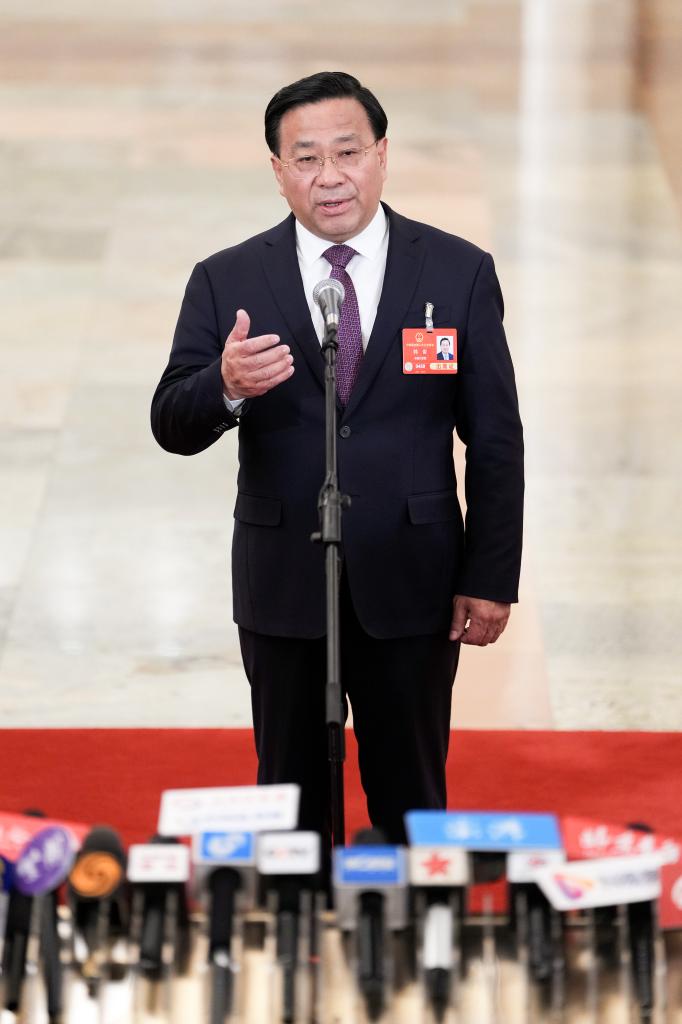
(436, 865)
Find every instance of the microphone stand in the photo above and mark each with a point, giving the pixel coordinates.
(330, 505)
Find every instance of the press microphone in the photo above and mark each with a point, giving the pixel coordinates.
(52, 852)
(225, 866)
(437, 954)
(14, 952)
(289, 864)
(51, 958)
(541, 924)
(439, 875)
(370, 890)
(41, 867)
(95, 893)
(641, 928)
(15, 932)
(158, 872)
(14, 942)
(488, 866)
(5, 890)
(371, 935)
(538, 924)
(329, 295)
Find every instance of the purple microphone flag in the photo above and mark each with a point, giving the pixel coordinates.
(44, 861)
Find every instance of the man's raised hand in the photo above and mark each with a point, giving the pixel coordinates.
(252, 366)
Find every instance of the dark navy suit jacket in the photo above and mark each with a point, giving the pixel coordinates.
(405, 548)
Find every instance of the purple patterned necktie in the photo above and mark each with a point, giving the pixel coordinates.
(349, 355)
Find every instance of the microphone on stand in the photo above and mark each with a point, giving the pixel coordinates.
(437, 954)
(5, 890)
(96, 898)
(329, 295)
(42, 866)
(538, 925)
(225, 866)
(50, 953)
(16, 932)
(439, 876)
(370, 893)
(19, 906)
(289, 866)
(642, 929)
(158, 872)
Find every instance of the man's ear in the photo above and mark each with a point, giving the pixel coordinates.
(382, 152)
(278, 171)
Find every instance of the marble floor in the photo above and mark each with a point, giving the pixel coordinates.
(131, 146)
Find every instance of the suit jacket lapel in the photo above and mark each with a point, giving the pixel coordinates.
(280, 263)
(403, 266)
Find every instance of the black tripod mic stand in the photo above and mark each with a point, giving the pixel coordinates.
(330, 506)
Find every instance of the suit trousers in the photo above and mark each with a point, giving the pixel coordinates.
(400, 691)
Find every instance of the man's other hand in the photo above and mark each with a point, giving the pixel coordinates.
(252, 366)
(486, 620)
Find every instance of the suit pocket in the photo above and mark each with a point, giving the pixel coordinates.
(258, 511)
(434, 507)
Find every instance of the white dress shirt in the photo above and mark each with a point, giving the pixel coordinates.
(366, 271)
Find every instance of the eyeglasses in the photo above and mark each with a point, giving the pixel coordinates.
(310, 165)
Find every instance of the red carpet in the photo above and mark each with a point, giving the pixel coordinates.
(115, 776)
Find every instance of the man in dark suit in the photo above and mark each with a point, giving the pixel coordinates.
(415, 582)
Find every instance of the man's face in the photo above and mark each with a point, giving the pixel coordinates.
(333, 204)
(445, 345)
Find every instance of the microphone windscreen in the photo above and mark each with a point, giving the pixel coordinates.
(488, 866)
(99, 868)
(328, 284)
(104, 839)
(369, 837)
(639, 826)
(289, 895)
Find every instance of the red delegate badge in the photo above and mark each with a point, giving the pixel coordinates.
(430, 351)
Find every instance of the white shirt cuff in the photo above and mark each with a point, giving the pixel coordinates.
(233, 405)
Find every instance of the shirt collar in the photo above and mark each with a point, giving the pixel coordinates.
(367, 243)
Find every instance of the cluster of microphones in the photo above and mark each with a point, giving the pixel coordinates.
(80, 916)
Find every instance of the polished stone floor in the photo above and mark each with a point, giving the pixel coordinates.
(131, 147)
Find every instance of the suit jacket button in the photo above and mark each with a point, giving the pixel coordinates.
(345, 431)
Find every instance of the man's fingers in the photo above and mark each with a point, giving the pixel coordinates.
(260, 380)
(280, 377)
(496, 632)
(476, 634)
(263, 343)
(482, 632)
(265, 364)
(251, 346)
(271, 380)
(459, 618)
(487, 620)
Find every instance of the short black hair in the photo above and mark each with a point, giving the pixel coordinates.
(325, 85)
